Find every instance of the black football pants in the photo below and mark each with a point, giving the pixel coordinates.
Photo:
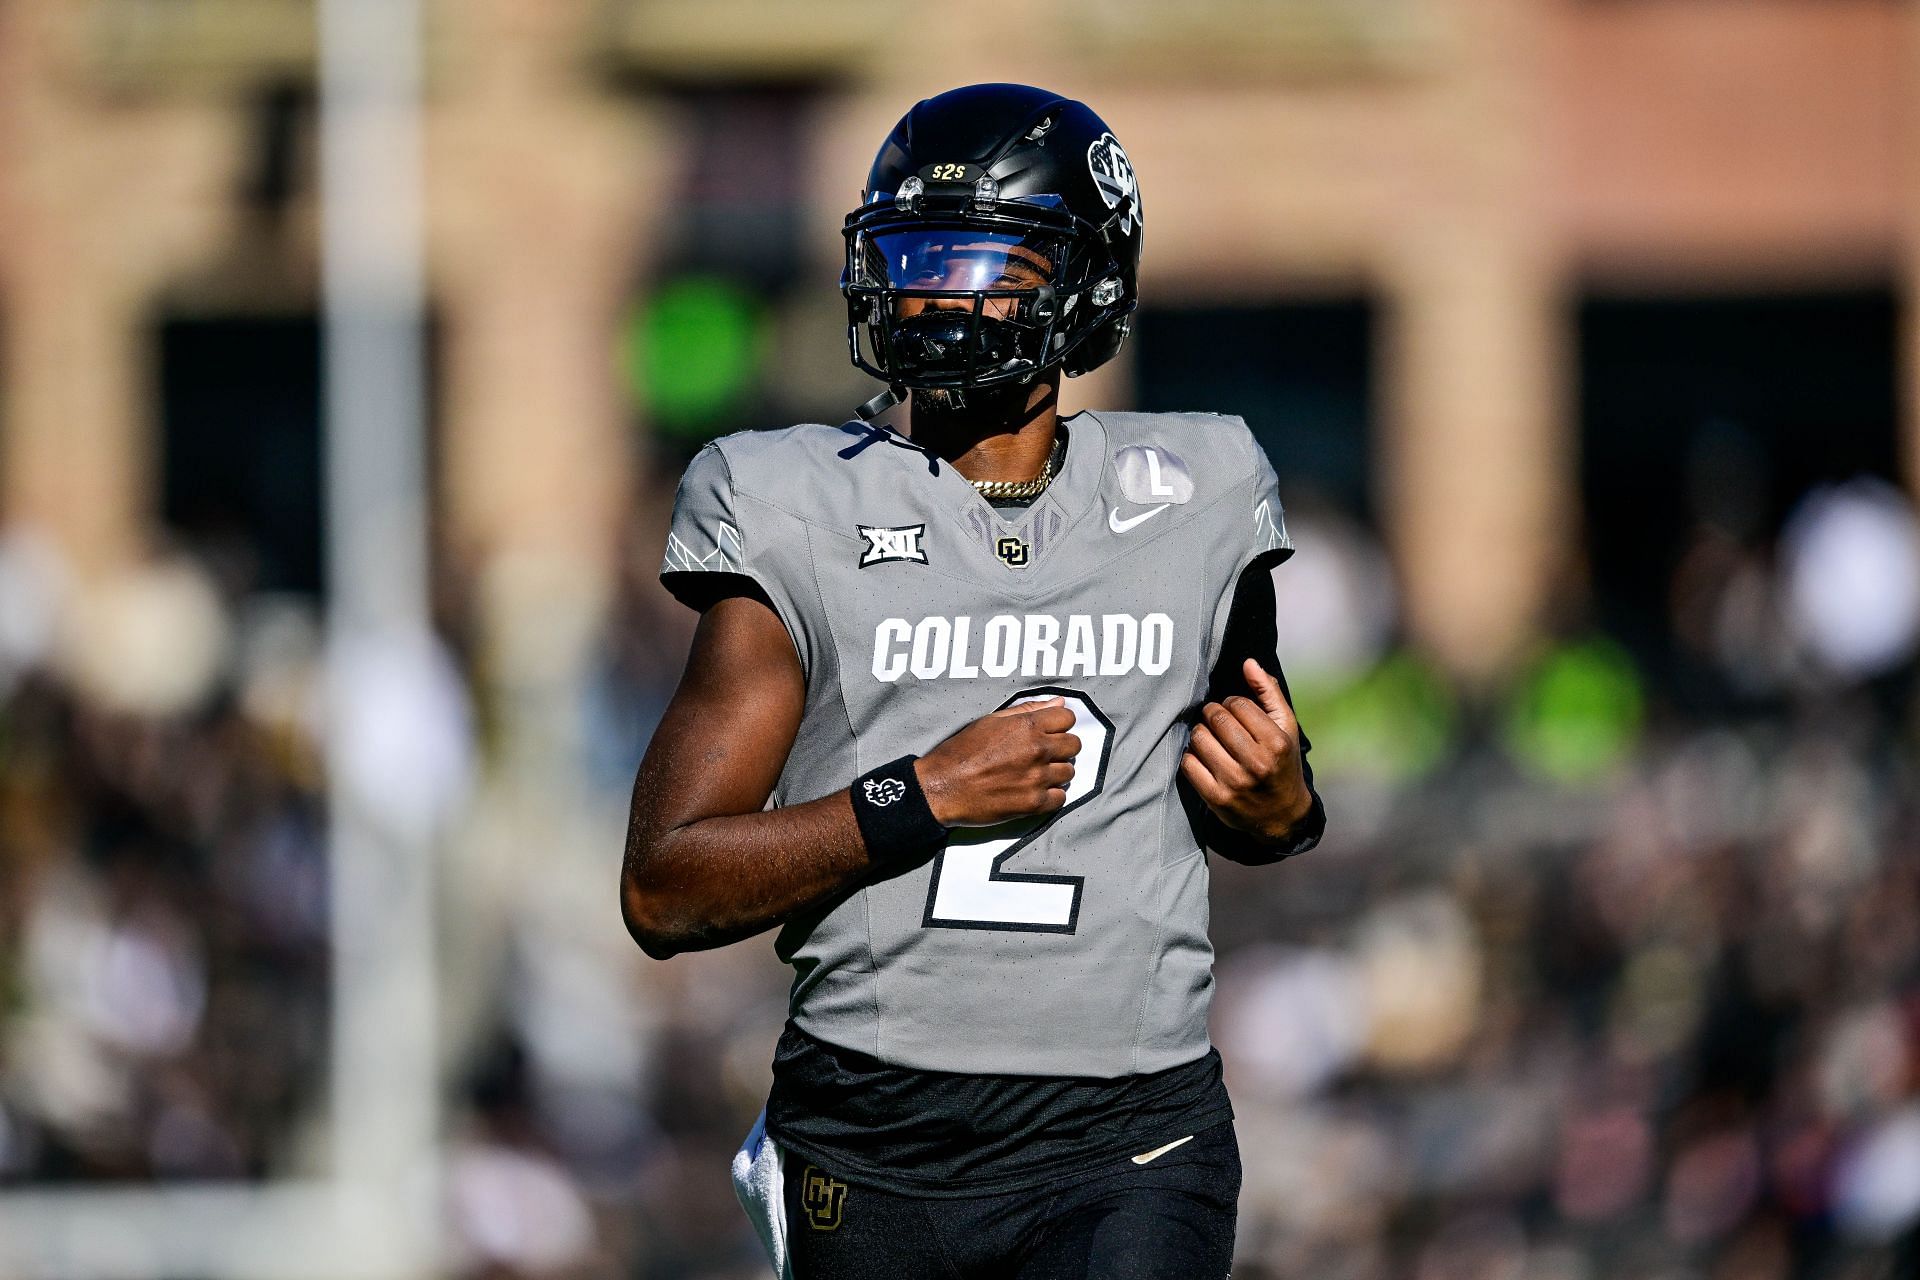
(1169, 1219)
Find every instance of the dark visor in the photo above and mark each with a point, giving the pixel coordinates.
(957, 260)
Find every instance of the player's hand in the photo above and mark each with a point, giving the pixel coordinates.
(1244, 759)
(1011, 764)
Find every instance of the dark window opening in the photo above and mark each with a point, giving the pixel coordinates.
(1710, 418)
(240, 452)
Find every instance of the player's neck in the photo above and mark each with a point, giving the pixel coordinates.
(1006, 434)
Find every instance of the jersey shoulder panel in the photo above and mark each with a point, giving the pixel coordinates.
(756, 449)
(813, 473)
(754, 504)
(1224, 459)
(732, 519)
(1216, 449)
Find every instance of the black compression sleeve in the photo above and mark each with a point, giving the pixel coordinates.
(1253, 632)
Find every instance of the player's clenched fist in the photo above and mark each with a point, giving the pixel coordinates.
(1244, 759)
(1013, 763)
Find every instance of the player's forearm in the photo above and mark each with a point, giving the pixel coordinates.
(716, 880)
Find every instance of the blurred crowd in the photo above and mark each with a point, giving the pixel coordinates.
(1667, 1026)
(163, 958)
(1610, 972)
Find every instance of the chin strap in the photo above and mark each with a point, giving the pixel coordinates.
(881, 403)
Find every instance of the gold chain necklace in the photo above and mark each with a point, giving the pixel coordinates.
(1024, 488)
(1016, 488)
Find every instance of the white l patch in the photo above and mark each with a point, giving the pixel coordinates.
(1151, 474)
(900, 542)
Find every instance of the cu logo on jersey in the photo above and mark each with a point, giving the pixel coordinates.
(884, 791)
(1113, 174)
(901, 542)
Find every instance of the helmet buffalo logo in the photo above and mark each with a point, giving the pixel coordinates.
(1113, 174)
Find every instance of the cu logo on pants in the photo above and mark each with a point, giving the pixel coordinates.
(822, 1198)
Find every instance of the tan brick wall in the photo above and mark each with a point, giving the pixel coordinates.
(105, 200)
(1468, 164)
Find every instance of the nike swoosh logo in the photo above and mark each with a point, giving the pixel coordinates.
(1115, 523)
(1157, 1152)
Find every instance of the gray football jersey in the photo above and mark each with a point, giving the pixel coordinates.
(1071, 944)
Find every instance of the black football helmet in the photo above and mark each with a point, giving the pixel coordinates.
(998, 236)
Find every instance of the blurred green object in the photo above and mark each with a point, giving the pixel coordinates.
(1395, 723)
(691, 354)
(1576, 712)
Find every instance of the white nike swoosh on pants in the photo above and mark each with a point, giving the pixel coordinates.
(1146, 1156)
(1115, 523)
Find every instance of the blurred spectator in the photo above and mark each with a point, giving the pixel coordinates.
(1851, 562)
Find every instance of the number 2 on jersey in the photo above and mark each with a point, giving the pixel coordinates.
(969, 889)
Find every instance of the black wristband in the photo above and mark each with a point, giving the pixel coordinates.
(895, 819)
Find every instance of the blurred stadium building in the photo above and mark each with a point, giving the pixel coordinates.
(1580, 333)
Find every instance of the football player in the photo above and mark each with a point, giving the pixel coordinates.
(964, 710)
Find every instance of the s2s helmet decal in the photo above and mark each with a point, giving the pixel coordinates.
(1113, 175)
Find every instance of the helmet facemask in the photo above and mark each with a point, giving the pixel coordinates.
(961, 304)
